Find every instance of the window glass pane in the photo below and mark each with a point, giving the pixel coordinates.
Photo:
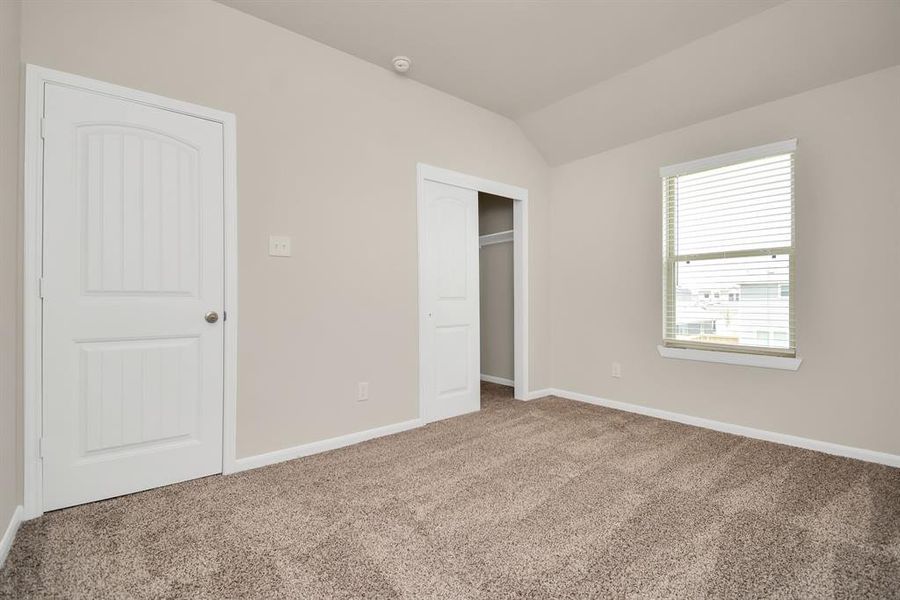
(732, 301)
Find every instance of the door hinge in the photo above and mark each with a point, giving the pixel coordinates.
(40, 287)
(41, 448)
(43, 127)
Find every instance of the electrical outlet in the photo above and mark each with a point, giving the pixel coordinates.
(617, 369)
(362, 391)
(279, 245)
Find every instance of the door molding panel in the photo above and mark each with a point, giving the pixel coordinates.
(521, 350)
(36, 79)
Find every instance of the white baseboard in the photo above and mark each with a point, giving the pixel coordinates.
(270, 458)
(498, 380)
(10, 534)
(535, 394)
(892, 460)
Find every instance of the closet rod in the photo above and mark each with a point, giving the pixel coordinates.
(495, 238)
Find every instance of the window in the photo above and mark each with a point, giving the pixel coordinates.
(728, 229)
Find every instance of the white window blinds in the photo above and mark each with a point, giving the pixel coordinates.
(728, 242)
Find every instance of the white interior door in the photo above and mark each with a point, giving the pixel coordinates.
(451, 360)
(133, 260)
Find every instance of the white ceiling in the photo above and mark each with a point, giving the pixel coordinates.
(584, 76)
(513, 56)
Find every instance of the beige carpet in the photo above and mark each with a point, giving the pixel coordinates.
(546, 499)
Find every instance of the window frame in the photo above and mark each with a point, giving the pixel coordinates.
(671, 347)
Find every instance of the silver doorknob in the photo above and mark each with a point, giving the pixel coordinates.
(212, 316)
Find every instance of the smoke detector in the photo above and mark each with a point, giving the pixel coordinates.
(401, 64)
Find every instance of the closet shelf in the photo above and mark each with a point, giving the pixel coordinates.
(495, 238)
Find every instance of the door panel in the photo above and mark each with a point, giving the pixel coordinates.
(452, 357)
(133, 259)
(140, 212)
(452, 349)
(138, 393)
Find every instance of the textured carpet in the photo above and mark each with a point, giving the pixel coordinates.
(545, 499)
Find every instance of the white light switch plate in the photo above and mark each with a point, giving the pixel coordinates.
(279, 245)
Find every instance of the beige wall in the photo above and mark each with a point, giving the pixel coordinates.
(10, 495)
(606, 271)
(495, 213)
(327, 151)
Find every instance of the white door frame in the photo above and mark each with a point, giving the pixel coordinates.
(35, 80)
(520, 265)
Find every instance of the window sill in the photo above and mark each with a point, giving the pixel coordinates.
(732, 358)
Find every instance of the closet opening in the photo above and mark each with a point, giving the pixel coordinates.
(497, 290)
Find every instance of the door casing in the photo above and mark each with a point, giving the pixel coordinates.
(520, 266)
(35, 80)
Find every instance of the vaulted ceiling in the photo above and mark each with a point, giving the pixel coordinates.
(581, 76)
